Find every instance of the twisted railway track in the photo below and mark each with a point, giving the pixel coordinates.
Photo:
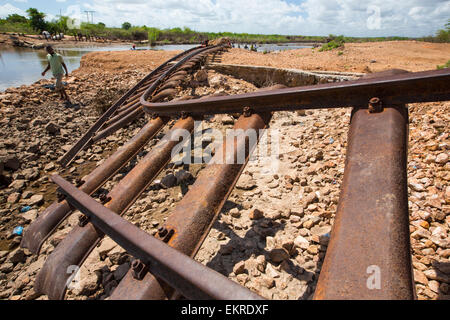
(371, 226)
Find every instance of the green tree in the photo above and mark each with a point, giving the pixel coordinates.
(443, 35)
(126, 25)
(16, 18)
(37, 21)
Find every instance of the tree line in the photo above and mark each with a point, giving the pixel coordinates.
(35, 23)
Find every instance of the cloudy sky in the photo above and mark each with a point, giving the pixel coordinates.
(412, 18)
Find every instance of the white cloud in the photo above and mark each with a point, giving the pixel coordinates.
(8, 9)
(309, 17)
(306, 17)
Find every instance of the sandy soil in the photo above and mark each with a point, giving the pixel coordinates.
(357, 57)
(114, 61)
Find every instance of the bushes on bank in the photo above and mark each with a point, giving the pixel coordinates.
(447, 65)
(334, 43)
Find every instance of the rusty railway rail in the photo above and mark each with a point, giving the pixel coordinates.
(55, 214)
(163, 261)
(126, 109)
(396, 88)
(371, 229)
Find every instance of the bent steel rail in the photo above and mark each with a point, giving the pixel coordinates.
(189, 277)
(81, 240)
(68, 157)
(47, 222)
(425, 86)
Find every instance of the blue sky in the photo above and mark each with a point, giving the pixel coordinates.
(306, 17)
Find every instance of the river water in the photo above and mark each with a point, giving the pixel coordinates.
(22, 66)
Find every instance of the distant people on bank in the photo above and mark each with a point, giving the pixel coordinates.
(205, 43)
(46, 35)
(56, 64)
(58, 36)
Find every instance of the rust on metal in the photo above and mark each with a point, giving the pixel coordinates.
(47, 222)
(375, 105)
(176, 67)
(369, 256)
(192, 219)
(139, 269)
(76, 246)
(187, 276)
(118, 124)
(425, 86)
(86, 138)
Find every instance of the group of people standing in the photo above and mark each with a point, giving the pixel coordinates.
(48, 36)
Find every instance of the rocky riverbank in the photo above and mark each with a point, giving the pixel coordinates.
(39, 42)
(273, 231)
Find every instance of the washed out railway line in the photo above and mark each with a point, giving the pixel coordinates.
(370, 232)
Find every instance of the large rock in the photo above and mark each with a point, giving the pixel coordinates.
(239, 267)
(17, 256)
(169, 181)
(246, 182)
(201, 76)
(52, 128)
(37, 199)
(18, 185)
(11, 162)
(106, 246)
(87, 285)
(49, 167)
(301, 242)
(183, 176)
(441, 158)
(256, 214)
(30, 215)
(6, 267)
(117, 256)
(14, 197)
(278, 255)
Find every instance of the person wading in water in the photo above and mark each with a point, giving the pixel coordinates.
(56, 63)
